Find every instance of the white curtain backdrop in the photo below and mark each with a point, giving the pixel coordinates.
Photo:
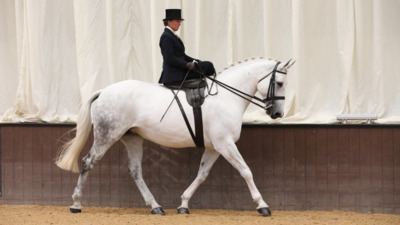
(55, 53)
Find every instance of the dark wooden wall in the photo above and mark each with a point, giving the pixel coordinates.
(296, 167)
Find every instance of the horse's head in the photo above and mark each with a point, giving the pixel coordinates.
(273, 89)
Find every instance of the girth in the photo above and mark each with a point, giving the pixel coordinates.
(194, 90)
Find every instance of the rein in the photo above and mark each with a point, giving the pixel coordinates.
(269, 100)
(240, 93)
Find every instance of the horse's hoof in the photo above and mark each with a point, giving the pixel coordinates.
(158, 211)
(264, 211)
(73, 210)
(183, 211)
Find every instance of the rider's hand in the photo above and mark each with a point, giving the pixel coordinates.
(190, 65)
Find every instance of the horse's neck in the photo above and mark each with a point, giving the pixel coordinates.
(244, 78)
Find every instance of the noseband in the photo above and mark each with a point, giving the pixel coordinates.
(269, 101)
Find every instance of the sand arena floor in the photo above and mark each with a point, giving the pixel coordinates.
(28, 214)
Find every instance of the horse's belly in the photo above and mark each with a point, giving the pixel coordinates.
(166, 137)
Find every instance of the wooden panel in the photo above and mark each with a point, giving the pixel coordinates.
(317, 167)
(47, 167)
(332, 167)
(387, 169)
(38, 140)
(255, 158)
(310, 167)
(18, 187)
(267, 187)
(27, 166)
(7, 140)
(1, 171)
(300, 169)
(278, 175)
(345, 198)
(365, 168)
(321, 169)
(395, 206)
(352, 194)
(289, 163)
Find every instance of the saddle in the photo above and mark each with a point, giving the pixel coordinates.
(194, 90)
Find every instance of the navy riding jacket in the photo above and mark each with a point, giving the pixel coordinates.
(175, 59)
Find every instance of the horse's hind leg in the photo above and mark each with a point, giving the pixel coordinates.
(230, 152)
(96, 152)
(207, 161)
(103, 140)
(134, 147)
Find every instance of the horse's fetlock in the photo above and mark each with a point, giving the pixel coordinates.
(184, 198)
(257, 198)
(76, 196)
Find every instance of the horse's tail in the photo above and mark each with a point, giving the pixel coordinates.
(69, 153)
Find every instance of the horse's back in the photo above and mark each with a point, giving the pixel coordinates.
(127, 85)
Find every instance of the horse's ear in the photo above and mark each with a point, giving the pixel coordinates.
(288, 64)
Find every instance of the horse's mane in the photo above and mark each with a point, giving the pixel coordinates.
(243, 61)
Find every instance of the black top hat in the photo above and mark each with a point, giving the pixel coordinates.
(172, 14)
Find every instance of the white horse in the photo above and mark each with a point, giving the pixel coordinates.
(131, 110)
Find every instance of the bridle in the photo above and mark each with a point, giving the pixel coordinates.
(270, 99)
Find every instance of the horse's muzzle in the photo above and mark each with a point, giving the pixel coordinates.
(274, 115)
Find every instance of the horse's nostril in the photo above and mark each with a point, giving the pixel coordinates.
(277, 115)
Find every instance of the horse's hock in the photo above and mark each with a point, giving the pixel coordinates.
(295, 167)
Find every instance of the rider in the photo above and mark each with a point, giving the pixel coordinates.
(176, 63)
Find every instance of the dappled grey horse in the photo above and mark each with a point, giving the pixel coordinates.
(130, 111)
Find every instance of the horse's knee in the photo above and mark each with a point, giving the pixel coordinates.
(246, 174)
(202, 176)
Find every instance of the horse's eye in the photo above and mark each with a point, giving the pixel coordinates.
(280, 84)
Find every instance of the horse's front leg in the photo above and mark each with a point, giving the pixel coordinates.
(207, 161)
(230, 152)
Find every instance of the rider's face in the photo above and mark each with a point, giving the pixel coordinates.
(174, 24)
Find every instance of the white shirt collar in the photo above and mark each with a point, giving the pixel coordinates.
(176, 34)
